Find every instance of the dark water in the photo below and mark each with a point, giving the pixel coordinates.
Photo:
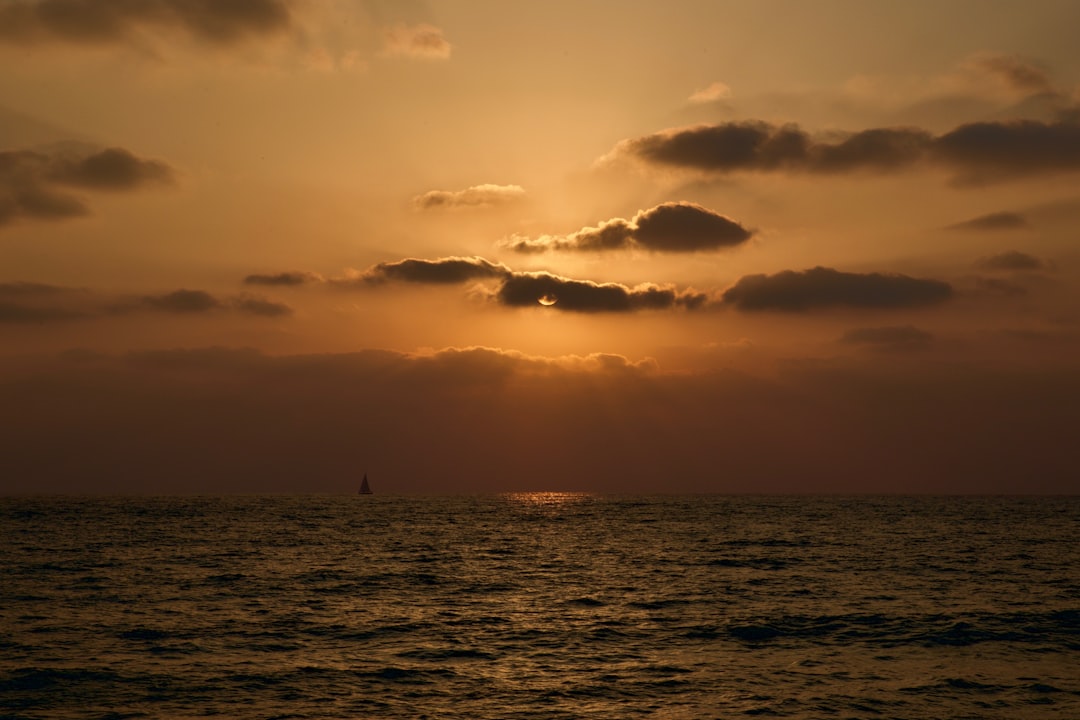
(540, 606)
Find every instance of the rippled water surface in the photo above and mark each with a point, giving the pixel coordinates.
(540, 606)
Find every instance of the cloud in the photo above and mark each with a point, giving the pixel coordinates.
(711, 93)
(821, 287)
(21, 314)
(475, 196)
(1018, 73)
(290, 278)
(423, 42)
(91, 22)
(32, 183)
(507, 421)
(533, 289)
(760, 146)
(517, 289)
(891, 338)
(669, 227)
(976, 152)
(39, 303)
(197, 302)
(108, 169)
(442, 271)
(260, 306)
(987, 151)
(183, 301)
(1013, 260)
(30, 303)
(993, 221)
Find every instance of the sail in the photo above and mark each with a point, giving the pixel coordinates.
(365, 489)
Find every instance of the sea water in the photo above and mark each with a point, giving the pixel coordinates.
(540, 605)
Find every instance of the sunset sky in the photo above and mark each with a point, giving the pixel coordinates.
(265, 246)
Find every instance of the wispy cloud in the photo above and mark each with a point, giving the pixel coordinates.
(41, 304)
(710, 93)
(487, 195)
(286, 279)
(1013, 260)
(421, 42)
(893, 338)
(1003, 220)
(112, 21)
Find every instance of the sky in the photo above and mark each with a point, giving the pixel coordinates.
(265, 246)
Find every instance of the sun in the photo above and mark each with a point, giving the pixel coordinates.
(547, 300)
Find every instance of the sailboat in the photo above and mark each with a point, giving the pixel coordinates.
(365, 489)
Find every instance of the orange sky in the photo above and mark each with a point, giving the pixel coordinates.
(262, 246)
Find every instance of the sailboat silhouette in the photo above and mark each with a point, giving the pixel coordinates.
(365, 489)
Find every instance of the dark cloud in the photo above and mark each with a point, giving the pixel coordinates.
(821, 287)
(109, 21)
(261, 306)
(473, 197)
(1013, 260)
(669, 227)
(891, 338)
(39, 303)
(290, 278)
(993, 221)
(976, 152)
(520, 289)
(198, 302)
(756, 145)
(25, 190)
(32, 289)
(443, 271)
(30, 303)
(986, 151)
(109, 169)
(22, 314)
(183, 301)
(559, 293)
(32, 182)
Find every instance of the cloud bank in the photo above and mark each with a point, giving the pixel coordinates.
(672, 227)
(24, 303)
(975, 152)
(110, 21)
(201, 421)
(821, 287)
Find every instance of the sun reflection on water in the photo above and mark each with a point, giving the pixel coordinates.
(548, 499)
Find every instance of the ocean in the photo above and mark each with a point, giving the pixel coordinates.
(540, 605)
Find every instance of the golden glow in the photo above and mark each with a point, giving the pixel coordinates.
(548, 300)
(547, 499)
